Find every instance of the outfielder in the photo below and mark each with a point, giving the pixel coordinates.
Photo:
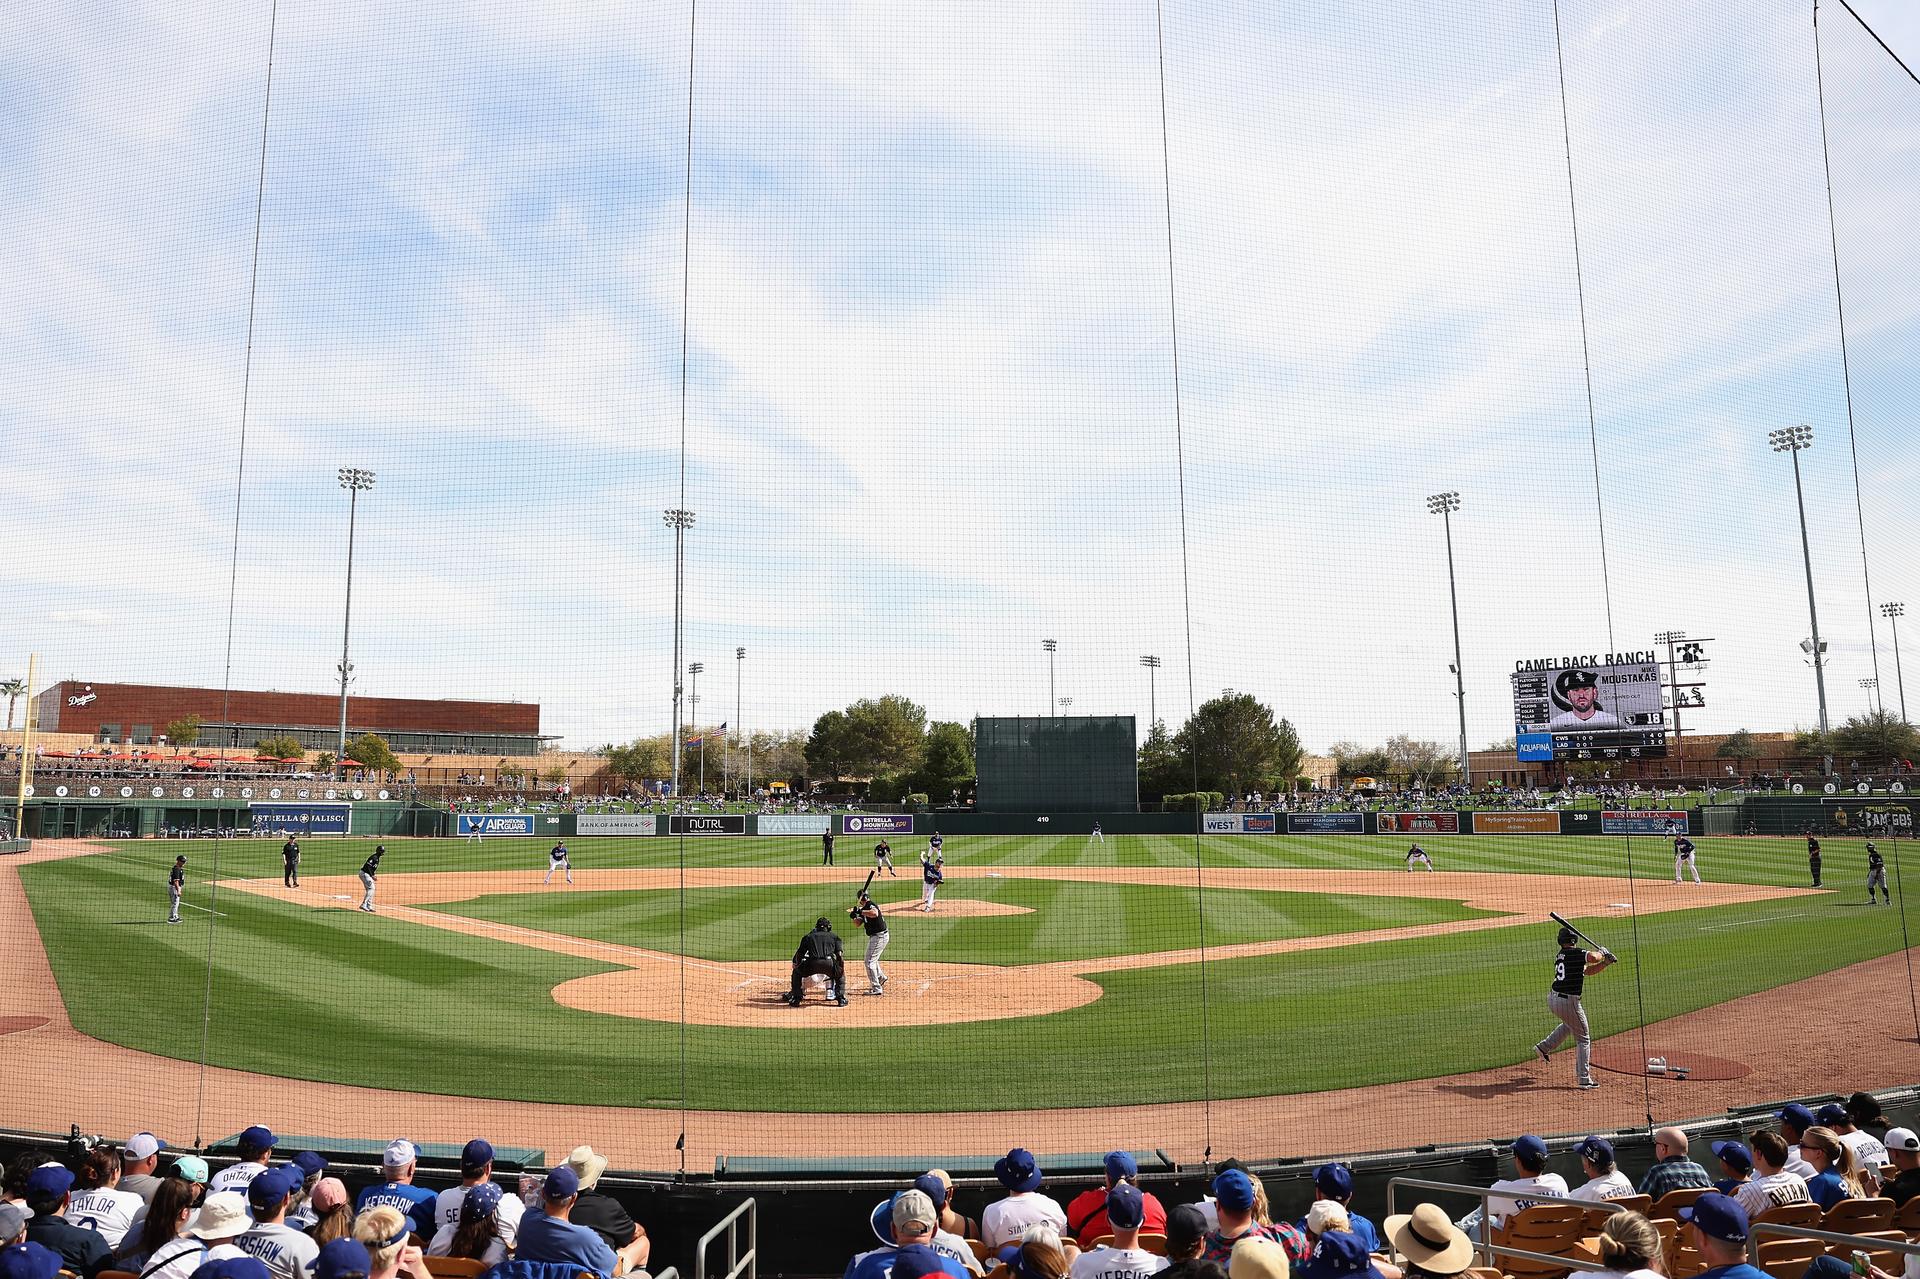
(1813, 859)
(883, 858)
(1571, 967)
(930, 877)
(290, 855)
(557, 859)
(867, 913)
(1418, 854)
(473, 829)
(176, 883)
(1096, 835)
(369, 869)
(1683, 858)
(1876, 874)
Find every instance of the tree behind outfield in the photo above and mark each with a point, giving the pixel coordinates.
(1876, 737)
(946, 763)
(1236, 745)
(643, 759)
(284, 746)
(184, 731)
(1163, 770)
(371, 750)
(874, 737)
(1739, 744)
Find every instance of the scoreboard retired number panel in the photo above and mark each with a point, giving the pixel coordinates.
(1595, 707)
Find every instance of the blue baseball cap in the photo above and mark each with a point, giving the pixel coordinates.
(234, 1268)
(1018, 1171)
(269, 1190)
(1796, 1114)
(1531, 1147)
(29, 1261)
(562, 1183)
(933, 1188)
(343, 1259)
(1335, 1180)
(481, 1200)
(476, 1154)
(1733, 1155)
(1718, 1217)
(259, 1137)
(308, 1163)
(1833, 1113)
(48, 1181)
(1596, 1149)
(1121, 1165)
(1234, 1189)
(1126, 1208)
(1340, 1252)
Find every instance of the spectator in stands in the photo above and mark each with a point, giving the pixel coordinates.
(286, 1252)
(1795, 1119)
(1322, 1216)
(1864, 1109)
(306, 1169)
(1186, 1238)
(256, 1148)
(1333, 1183)
(476, 1169)
(139, 1158)
(1674, 1169)
(383, 1231)
(1737, 1163)
(549, 1235)
(1604, 1180)
(1629, 1247)
(1006, 1220)
(332, 1211)
(1531, 1177)
(1834, 1175)
(398, 1164)
(1087, 1211)
(13, 1225)
(1434, 1248)
(906, 1245)
(1339, 1254)
(1038, 1254)
(603, 1214)
(1903, 1151)
(1771, 1186)
(191, 1169)
(1257, 1259)
(1233, 1198)
(475, 1233)
(1124, 1213)
(100, 1203)
(1869, 1153)
(13, 1186)
(944, 1242)
(28, 1261)
(165, 1220)
(343, 1259)
(81, 1249)
(217, 1228)
(1719, 1227)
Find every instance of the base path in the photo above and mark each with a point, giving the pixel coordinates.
(1865, 1007)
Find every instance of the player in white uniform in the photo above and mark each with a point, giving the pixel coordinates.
(1418, 854)
(1683, 858)
(557, 859)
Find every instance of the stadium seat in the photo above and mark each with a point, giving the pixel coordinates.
(455, 1267)
(980, 1250)
(1885, 1258)
(1485, 1272)
(1674, 1200)
(1149, 1242)
(1858, 1216)
(1908, 1216)
(1802, 1214)
(1598, 1214)
(1554, 1229)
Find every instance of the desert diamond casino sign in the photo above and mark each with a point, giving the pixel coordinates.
(1597, 706)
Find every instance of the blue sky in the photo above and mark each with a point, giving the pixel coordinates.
(930, 419)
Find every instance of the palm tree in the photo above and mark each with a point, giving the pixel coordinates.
(13, 688)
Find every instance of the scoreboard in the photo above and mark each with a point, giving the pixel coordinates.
(1598, 706)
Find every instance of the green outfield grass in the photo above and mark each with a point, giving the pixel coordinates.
(336, 995)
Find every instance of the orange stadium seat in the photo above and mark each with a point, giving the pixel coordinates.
(455, 1267)
(1803, 1214)
(1554, 1229)
(1674, 1200)
(1908, 1217)
(1858, 1216)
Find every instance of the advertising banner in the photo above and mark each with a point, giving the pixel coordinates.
(1418, 823)
(300, 819)
(707, 824)
(616, 824)
(877, 823)
(493, 824)
(1220, 823)
(1643, 822)
(1326, 823)
(1873, 817)
(1259, 823)
(794, 824)
(1527, 822)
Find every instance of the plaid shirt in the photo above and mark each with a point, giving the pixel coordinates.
(1219, 1247)
(1677, 1173)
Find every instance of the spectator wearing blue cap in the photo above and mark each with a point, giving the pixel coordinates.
(1869, 1152)
(1087, 1211)
(307, 1168)
(1604, 1180)
(475, 1235)
(1674, 1168)
(255, 1147)
(1006, 1220)
(343, 1259)
(1795, 1119)
(1334, 1183)
(476, 1169)
(549, 1235)
(1719, 1229)
(28, 1261)
(81, 1250)
(397, 1164)
(1125, 1213)
(1338, 1254)
(286, 1252)
(1233, 1197)
(1737, 1165)
(1531, 1179)
(232, 1268)
(905, 1224)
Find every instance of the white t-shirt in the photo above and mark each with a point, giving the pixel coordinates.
(1771, 1190)
(506, 1218)
(177, 1258)
(1623, 1274)
(238, 1177)
(1118, 1263)
(1005, 1220)
(1796, 1165)
(1613, 1185)
(1547, 1183)
(109, 1211)
(1868, 1150)
(496, 1251)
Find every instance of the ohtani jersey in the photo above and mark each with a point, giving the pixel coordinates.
(372, 864)
(1569, 971)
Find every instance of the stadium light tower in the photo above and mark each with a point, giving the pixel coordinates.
(1444, 505)
(1893, 612)
(739, 724)
(1152, 664)
(679, 521)
(1791, 440)
(695, 670)
(355, 481)
(1872, 686)
(1053, 707)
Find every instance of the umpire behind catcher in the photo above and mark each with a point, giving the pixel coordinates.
(819, 952)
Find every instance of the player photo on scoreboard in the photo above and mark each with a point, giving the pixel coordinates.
(1589, 699)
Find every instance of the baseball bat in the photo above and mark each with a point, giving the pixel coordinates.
(869, 884)
(1561, 920)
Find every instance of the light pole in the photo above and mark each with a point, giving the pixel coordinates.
(355, 481)
(739, 724)
(679, 521)
(1152, 664)
(1053, 707)
(1444, 505)
(694, 723)
(1791, 440)
(1893, 612)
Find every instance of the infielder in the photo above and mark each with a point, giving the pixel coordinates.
(1571, 968)
(867, 913)
(369, 869)
(1418, 854)
(1876, 874)
(176, 884)
(473, 830)
(1683, 858)
(1813, 859)
(936, 844)
(557, 859)
(930, 877)
(290, 855)
(883, 858)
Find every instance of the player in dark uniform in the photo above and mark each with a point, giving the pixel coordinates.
(819, 952)
(1813, 859)
(867, 913)
(1571, 968)
(369, 870)
(883, 859)
(826, 849)
(290, 854)
(1683, 858)
(176, 884)
(1876, 874)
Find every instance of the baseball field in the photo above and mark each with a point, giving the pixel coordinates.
(1053, 973)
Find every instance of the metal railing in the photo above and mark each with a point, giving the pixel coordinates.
(1859, 1242)
(730, 1223)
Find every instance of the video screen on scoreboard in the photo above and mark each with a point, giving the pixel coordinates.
(1601, 706)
